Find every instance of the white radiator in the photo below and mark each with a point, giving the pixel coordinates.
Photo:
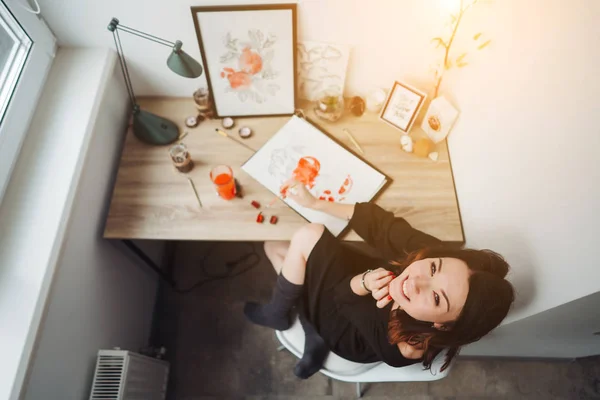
(123, 375)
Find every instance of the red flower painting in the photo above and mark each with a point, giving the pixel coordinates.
(249, 72)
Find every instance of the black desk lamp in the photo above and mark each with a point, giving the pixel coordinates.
(148, 127)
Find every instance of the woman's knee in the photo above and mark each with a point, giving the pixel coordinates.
(276, 247)
(307, 237)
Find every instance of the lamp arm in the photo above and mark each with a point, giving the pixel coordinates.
(124, 69)
(144, 35)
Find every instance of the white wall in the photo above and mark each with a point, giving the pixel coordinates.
(100, 297)
(35, 212)
(566, 331)
(524, 148)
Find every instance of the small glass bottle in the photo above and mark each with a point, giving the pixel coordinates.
(330, 106)
(181, 157)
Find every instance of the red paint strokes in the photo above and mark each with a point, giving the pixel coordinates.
(330, 199)
(239, 80)
(250, 61)
(306, 171)
(346, 186)
(321, 197)
(327, 192)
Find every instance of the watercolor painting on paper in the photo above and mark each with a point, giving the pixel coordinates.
(248, 68)
(249, 57)
(321, 69)
(330, 172)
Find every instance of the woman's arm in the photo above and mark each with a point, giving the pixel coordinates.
(375, 281)
(372, 323)
(297, 192)
(392, 236)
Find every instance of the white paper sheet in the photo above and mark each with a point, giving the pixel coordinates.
(332, 172)
(321, 69)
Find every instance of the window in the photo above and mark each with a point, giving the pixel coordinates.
(27, 49)
(14, 48)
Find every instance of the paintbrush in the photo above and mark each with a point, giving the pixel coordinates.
(353, 140)
(195, 191)
(224, 134)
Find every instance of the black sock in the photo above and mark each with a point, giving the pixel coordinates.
(315, 351)
(275, 314)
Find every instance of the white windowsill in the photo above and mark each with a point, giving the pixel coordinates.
(35, 211)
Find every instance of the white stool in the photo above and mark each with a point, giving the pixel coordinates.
(341, 369)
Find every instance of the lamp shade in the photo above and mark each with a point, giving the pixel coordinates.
(182, 63)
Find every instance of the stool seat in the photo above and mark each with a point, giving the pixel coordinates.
(344, 370)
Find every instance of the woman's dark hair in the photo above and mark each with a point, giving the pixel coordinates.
(489, 299)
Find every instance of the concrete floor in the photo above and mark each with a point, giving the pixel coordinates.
(216, 354)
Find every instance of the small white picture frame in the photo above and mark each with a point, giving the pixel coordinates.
(402, 106)
(439, 119)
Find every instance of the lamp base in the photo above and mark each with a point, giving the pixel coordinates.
(152, 129)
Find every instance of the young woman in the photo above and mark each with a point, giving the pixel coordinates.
(419, 298)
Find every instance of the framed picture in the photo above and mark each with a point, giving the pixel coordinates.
(402, 106)
(439, 119)
(249, 55)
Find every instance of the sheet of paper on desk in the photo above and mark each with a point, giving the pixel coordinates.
(328, 170)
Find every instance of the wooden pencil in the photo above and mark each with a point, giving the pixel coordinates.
(195, 191)
(353, 140)
(224, 134)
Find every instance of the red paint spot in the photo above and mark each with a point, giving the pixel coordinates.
(331, 199)
(222, 74)
(347, 186)
(341, 199)
(327, 192)
(239, 80)
(322, 198)
(250, 61)
(306, 171)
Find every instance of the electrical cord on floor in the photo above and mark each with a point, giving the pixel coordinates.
(231, 268)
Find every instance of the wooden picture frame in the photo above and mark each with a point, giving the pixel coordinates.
(402, 106)
(249, 56)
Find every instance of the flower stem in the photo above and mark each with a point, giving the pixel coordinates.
(448, 45)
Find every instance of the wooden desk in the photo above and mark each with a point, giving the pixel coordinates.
(151, 200)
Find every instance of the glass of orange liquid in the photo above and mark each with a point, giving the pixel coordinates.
(222, 177)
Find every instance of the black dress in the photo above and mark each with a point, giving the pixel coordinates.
(351, 325)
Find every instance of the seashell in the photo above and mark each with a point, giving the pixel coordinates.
(406, 143)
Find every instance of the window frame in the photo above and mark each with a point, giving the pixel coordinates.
(20, 110)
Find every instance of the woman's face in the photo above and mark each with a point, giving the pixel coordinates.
(432, 289)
